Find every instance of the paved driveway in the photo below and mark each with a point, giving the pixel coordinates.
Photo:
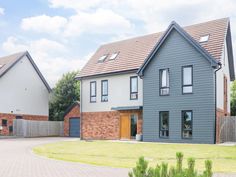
(17, 160)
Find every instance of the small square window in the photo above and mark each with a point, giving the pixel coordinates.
(204, 38)
(4, 122)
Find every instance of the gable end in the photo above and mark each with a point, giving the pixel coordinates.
(214, 63)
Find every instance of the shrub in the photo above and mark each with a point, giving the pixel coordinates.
(142, 169)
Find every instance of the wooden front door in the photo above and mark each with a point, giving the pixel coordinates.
(125, 126)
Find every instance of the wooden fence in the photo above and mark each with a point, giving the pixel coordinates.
(227, 129)
(33, 128)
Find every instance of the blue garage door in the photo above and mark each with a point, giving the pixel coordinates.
(75, 127)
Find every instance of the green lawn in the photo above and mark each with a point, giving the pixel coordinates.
(124, 154)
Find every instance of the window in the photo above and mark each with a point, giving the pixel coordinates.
(10, 129)
(102, 58)
(164, 124)
(133, 125)
(187, 124)
(113, 56)
(4, 122)
(134, 88)
(187, 79)
(164, 82)
(204, 38)
(19, 117)
(104, 89)
(93, 92)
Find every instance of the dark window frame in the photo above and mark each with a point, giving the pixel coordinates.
(102, 94)
(160, 82)
(188, 85)
(10, 128)
(4, 122)
(132, 77)
(182, 122)
(93, 96)
(168, 130)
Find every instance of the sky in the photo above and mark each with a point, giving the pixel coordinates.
(61, 35)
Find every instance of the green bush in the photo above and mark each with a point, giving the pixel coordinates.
(142, 169)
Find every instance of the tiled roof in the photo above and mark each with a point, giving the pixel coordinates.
(133, 52)
(7, 61)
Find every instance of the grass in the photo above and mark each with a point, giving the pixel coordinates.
(125, 154)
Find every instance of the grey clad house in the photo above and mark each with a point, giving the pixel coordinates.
(172, 86)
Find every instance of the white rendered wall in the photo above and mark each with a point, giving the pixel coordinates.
(118, 93)
(220, 81)
(22, 91)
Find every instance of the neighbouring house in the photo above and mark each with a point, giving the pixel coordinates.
(24, 92)
(72, 120)
(170, 86)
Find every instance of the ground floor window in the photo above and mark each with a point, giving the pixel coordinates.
(4, 122)
(164, 124)
(133, 125)
(187, 124)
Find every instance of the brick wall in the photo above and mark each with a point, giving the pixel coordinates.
(105, 125)
(11, 117)
(100, 125)
(74, 112)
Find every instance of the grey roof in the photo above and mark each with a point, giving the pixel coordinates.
(7, 62)
(182, 32)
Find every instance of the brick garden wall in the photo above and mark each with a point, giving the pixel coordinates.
(11, 117)
(74, 112)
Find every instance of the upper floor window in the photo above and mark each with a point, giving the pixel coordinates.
(133, 87)
(187, 124)
(104, 89)
(164, 124)
(93, 92)
(164, 82)
(187, 79)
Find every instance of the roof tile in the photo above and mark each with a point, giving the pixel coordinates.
(133, 52)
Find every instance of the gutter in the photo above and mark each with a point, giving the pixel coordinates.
(81, 120)
(216, 100)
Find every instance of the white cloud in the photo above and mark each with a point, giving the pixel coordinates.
(50, 56)
(44, 23)
(100, 22)
(2, 11)
(77, 5)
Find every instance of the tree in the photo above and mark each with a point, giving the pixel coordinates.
(65, 93)
(233, 99)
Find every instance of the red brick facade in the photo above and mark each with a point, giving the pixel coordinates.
(105, 125)
(9, 121)
(74, 111)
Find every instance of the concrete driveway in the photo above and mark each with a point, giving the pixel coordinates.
(17, 160)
